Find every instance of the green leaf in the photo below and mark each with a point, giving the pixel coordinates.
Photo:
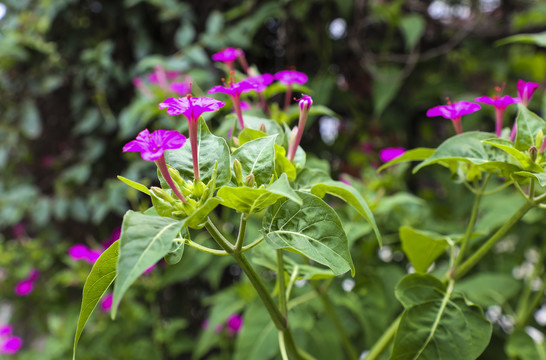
(469, 148)
(528, 124)
(521, 346)
(144, 240)
(422, 247)
(437, 323)
(412, 27)
(488, 289)
(251, 200)
(101, 276)
(417, 154)
(249, 134)
(135, 185)
(309, 177)
(386, 84)
(174, 256)
(523, 159)
(258, 338)
(257, 157)
(352, 197)
(540, 177)
(263, 256)
(198, 218)
(312, 229)
(283, 165)
(538, 39)
(271, 127)
(211, 148)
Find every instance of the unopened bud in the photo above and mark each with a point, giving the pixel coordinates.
(162, 194)
(262, 128)
(533, 152)
(238, 169)
(235, 141)
(539, 138)
(250, 180)
(175, 175)
(198, 188)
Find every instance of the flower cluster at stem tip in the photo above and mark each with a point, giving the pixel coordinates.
(9, 344)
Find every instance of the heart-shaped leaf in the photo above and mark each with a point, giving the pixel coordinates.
(422, 247)
(257, 157)
(144, 240)
(312, 229)
(528, 125)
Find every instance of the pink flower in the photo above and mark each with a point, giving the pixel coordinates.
(526, 90)
(5, 330)
(10, 345)
(289, 77)
(500, 104)
(305, 104)
(113, 237)
(245, 106)
(191, 107)
(169, 75)
(78, 252)
(150, 269)
(454, 112)
(228, 55)
(234, 323)
(24, 288)
(152, 146)
(181, 88)
(234, 90)
(261, 81)
(106, 302)
(389, 154)
(19, 230)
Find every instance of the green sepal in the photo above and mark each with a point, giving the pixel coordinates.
(135, 185)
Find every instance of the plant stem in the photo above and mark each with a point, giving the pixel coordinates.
(337, 322)
(278, 319)
(471, 222)
(381, 345)
(242, 231)
(488, 245)
(282, 286)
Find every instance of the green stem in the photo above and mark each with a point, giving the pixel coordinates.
(488, 245)
(252, 244)
(201, 247)
(531, 306)
(242, 231)
(381, 345)
(278, 319)
(282, 286)
(335, 319)
(471, 222)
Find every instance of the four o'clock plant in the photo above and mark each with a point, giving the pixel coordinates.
(305, 104)
(234, 90)
(228, 57)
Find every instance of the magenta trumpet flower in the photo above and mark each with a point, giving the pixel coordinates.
(500, 104)
(290, 77)
(389, 154)
(454, 112)
(152, 148)
(526, 90)
(192, 108)
(228, 57)
(234, 90)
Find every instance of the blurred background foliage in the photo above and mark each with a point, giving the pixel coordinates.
(68, 104)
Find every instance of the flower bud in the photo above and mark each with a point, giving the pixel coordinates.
(539, 139)
(533, 152)
(198, 188)
(235, 141)
(238, 169)
(250, 180)
(162, 194)
(262, 128)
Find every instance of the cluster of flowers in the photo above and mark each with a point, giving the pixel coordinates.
(232, 326)
(455, 111)
(152, 146)
(9, 344)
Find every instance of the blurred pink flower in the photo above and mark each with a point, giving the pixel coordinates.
(106, 302)
(24, 288)
(261, 81)
(150, 269)
(181, 88)
(116, 233)
(169, 75)
(526, 90)
(6, 330)
(500, 104)
(454, 112)
(234, 90)
(234, 323)
(82, 252)
(19, 229)
(228, 55)
(389, 154)
(289, 77)
(245, 106)
(10, 345)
